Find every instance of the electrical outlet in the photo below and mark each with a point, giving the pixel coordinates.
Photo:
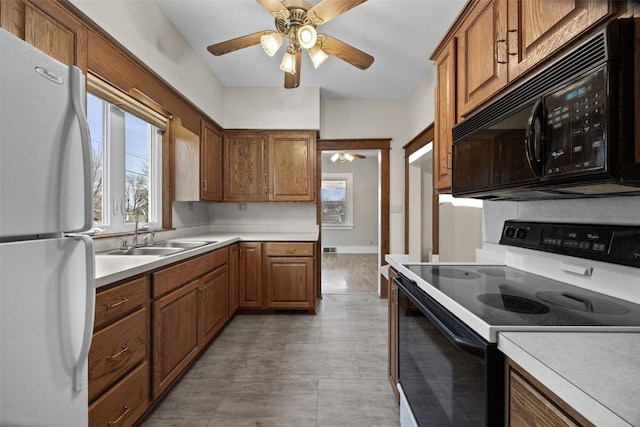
(242, 207)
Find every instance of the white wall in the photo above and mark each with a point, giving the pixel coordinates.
(344, 118)
(363, 238)
(272, 108)
(147, 33)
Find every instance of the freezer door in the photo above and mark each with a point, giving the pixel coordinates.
(47, 300)
(45, 150)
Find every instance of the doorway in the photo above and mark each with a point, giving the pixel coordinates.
(377, 149)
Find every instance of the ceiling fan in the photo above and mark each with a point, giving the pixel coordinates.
(297, 21)
(342, 157)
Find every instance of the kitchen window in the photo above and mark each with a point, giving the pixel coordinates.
(126, 163)
(337, 200)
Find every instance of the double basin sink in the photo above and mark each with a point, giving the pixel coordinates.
(168, 247)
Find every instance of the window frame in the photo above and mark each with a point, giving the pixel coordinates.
(114, 160)
(348, 177)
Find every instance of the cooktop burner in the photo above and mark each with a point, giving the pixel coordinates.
(506, 297)
(513, 303)
(574, 301)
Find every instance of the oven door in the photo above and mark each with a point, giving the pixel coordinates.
(449, 375)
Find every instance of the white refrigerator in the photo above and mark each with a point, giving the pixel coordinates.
(47, 294)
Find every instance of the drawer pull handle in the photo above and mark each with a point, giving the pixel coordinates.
(125, 412)
(118, 354)
(116, 304)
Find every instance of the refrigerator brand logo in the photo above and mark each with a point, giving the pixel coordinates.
(49, 75)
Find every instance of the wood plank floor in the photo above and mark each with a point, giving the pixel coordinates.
(349, 273)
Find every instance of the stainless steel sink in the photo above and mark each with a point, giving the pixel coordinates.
(182, 245)
(147, 250)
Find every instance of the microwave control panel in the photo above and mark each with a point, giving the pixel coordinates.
(576, 126)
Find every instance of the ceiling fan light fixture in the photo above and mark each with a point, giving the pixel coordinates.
(288, 64)
(271, 42)
(317, 56)
(307, 36)
(335, 157)
(348, 156)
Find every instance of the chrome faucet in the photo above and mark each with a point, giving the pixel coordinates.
(134, 242)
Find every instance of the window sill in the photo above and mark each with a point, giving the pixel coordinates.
(337, 227)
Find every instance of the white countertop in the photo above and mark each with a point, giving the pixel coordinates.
(598, 374)
(113, 268)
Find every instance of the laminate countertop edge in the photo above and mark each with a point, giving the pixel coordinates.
(114, 268)
(596, 373)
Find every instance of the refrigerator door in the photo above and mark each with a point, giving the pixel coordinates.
(46, 319)
(45, 150)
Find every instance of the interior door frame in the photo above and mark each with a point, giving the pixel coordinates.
(381, 144)
(420, 140)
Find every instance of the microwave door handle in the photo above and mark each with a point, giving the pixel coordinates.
(533, 139)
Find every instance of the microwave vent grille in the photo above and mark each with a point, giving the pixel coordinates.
(578, 61)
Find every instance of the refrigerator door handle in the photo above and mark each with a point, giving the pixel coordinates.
(90, 305)
(77, 93)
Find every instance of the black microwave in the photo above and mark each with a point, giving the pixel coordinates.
(566, 132)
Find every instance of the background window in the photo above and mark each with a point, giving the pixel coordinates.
(337, 200)
(126, 167)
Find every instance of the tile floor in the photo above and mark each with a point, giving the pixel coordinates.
(291, 370)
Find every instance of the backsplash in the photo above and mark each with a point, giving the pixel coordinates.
(262, 213)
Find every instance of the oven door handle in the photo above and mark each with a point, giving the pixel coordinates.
(462, 343)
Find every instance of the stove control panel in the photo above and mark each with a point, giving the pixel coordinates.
(609, 243)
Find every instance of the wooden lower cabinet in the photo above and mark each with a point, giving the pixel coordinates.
(119, 354)
(124, 403)
(234, 291)
(393, 335)
(532, 404)
(277, 275)
(214, 303)
(250, 275)
(175, 335)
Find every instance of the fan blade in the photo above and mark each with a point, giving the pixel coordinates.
(274, 7)
(292, 81)
(348, 53)
(326, 10)
(360, 156)
(235, 44)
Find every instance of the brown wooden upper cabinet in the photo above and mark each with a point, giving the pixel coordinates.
(269, 166)
(499, 40)
(49, 27)
(210, 163)
(445, 107)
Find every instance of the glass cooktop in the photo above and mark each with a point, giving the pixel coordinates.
(501, 295)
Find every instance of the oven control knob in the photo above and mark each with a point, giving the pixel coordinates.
(521, 233)
(509, 232)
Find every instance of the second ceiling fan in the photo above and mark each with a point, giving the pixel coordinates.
(296, 20)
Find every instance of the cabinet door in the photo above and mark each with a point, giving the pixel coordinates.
(393, 334)
(290, 282)
(445, 103)
(175, 334)
(49, 27)
(233, 279)
(482, 54)
(214, 303)
(250, 275)
(292, 166)
(186, 148)
(538, 28)
(245, 167)
(210, 164)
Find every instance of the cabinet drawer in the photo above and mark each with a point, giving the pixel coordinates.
(177, 275)
(290, 249)
(121, 299)
(115, 350)
(125, 403)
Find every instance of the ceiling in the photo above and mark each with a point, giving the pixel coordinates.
(399, 34)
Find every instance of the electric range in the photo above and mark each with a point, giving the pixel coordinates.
(557, 277)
